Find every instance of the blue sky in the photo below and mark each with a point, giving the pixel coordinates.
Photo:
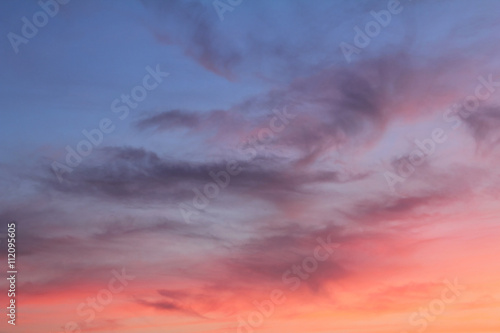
(298, 141)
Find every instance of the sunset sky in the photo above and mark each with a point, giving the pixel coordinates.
(251, 166)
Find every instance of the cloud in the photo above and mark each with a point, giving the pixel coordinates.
(136, 175)
(483, 126)
(189, 24)
(336, 109)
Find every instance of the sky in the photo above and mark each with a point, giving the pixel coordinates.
(189, 166)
